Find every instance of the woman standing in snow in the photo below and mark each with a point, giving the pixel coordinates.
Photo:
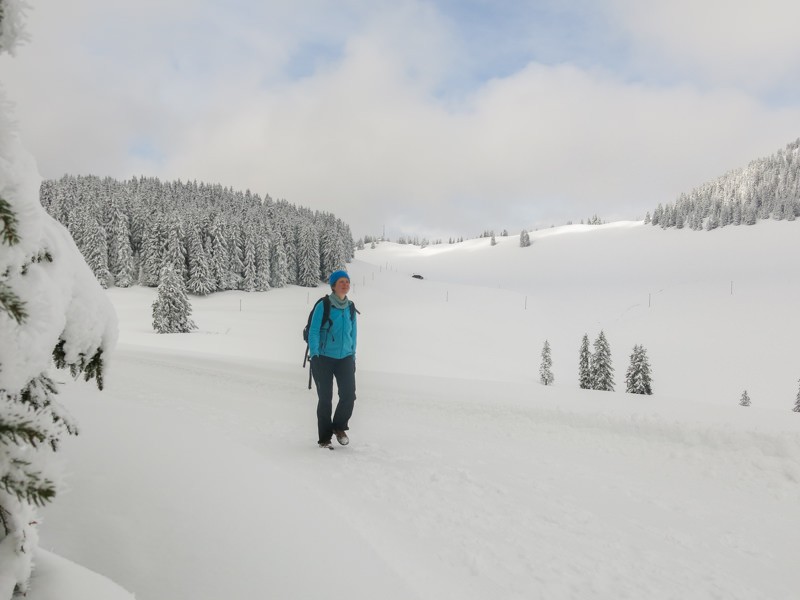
(332, 346)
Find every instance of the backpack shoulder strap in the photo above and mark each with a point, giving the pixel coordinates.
(353, 310)
(326, 310)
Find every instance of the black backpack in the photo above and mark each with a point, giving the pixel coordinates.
(326, 316)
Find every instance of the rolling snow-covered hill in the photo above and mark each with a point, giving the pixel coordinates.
(197, 474)
(716, 311)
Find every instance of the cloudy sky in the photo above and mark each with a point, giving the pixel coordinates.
(441, 118)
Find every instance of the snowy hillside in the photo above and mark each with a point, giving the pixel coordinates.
(716, 312)
(197, 474)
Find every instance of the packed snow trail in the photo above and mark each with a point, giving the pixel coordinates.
(448, 489)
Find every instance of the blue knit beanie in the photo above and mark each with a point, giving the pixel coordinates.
(336, 276)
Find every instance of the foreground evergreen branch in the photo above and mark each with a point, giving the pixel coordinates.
(11, 304)
(91, 368)
(31, 419)
(40, 395)
(20, 432)
(30, 486)
(7, 216)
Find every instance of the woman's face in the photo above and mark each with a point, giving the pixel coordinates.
(341, 287)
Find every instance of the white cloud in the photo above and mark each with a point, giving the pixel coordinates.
(367, 133)
(732, 42)
(550, 143)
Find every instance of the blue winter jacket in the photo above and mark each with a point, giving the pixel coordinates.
(337, 337)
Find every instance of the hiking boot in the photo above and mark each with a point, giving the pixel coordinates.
(341, 437)
(327, 444)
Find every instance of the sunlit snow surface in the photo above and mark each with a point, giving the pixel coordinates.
(197, 474)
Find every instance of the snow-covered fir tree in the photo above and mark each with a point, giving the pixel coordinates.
(121, 262)
(308, 259)
(638, 379)
(249, 270)
(797, 401)
(279, 268)
(235, 245)
(331, 248)
(745, 399)
(290, 237)
(172, 310)
(150, 253)
(174, 254)
(218, 253)
(524, 239)
(93, 244)
(262, 263)
(493, 241)
(201, 280)
(546, 367)
(585, 364)
(53, 314)
(602, 369)
(348, 246)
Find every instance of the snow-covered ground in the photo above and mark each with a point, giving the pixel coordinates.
(197, 474)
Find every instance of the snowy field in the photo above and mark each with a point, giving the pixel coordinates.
(197, 476)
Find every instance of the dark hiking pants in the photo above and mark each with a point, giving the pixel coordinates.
(324, 370)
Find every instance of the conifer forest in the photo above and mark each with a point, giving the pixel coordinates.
(215, 238)
(766, 188)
